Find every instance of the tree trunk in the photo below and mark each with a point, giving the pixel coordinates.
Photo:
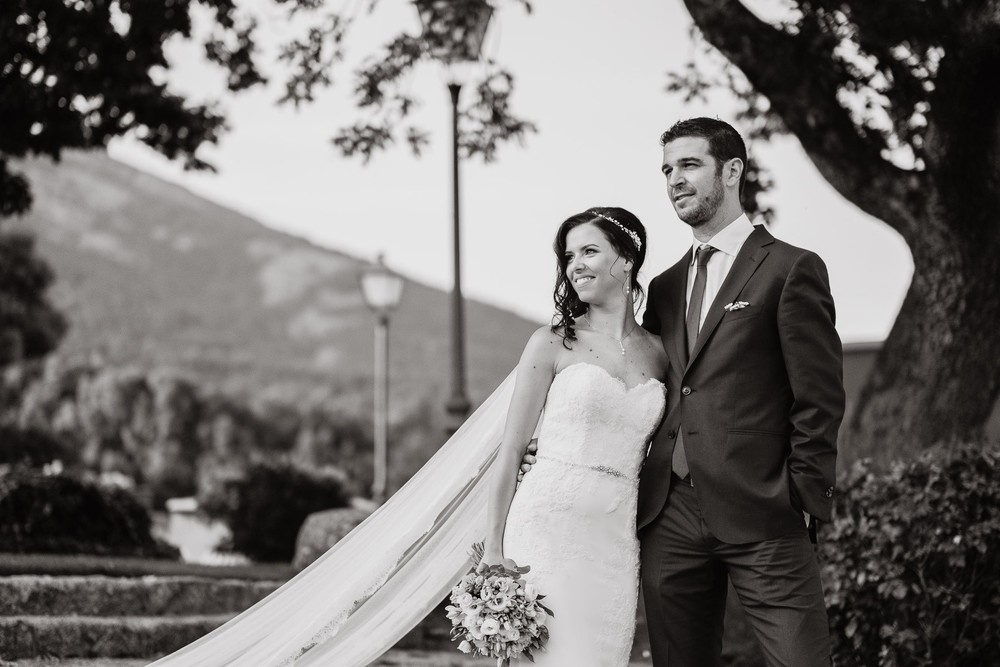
(937, 376)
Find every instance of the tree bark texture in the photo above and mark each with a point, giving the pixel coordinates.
(937, 376)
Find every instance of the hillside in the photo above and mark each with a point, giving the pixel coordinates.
(152, 275)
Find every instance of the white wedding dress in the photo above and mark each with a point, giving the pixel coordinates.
(572, 519)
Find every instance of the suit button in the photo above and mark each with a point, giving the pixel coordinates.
(686, 391)
(671, 434)
(829, 492)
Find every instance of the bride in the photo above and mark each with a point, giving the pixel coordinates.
(589, 389)
(572, 520)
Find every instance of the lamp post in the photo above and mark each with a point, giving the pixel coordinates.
(382, 290)
(454, 30)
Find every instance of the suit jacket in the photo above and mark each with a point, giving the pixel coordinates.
(761, 398)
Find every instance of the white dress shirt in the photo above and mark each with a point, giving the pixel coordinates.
(727, 242)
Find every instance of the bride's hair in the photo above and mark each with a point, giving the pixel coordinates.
(626, 235)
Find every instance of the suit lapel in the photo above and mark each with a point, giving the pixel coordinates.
(749, 258)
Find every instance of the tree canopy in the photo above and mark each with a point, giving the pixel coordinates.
(383, 97)
(76, 74)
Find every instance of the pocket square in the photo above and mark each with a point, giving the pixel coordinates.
(736, 305)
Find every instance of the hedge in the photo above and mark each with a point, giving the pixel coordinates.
(912, 561)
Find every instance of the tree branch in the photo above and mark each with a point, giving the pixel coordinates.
(798, 81)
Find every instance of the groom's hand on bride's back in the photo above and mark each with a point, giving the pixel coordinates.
(528, 459)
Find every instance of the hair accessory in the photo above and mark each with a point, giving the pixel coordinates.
(632, 234)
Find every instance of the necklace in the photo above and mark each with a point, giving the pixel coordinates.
(620, 341)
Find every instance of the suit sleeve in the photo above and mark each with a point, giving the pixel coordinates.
(650, 318)
(813, 356)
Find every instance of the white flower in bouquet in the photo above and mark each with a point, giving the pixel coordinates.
(490, 626)
(498, 603)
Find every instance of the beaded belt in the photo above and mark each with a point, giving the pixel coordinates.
(605, 469)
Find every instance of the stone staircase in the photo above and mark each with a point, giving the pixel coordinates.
(96, 616)
(115, 617)
(76, 619)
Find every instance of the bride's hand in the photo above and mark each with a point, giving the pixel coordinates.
(490, 559)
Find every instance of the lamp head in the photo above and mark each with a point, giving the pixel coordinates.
(454, 29)
(381, 288)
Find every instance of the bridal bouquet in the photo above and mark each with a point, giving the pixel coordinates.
(496, 614)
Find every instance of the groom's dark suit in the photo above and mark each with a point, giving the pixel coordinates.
(760, 399)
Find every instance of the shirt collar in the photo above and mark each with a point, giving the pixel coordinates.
(730, 238)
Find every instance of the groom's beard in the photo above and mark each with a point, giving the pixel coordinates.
(706, 208)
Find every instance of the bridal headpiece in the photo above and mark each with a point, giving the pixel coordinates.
(632, 234)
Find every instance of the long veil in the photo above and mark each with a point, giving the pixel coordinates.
(360, 597)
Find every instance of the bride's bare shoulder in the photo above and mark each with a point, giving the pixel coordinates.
(544, 342)
(548, 332)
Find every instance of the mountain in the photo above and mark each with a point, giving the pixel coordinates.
(152, 275)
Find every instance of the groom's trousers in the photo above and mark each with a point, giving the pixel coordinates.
(684, 579)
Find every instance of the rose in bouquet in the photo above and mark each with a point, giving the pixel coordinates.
(495, 613)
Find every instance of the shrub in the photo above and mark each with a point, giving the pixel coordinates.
(911, 569)
(265, 507)
(65, 515)
(31, 447)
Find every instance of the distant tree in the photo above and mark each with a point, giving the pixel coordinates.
(896, 102)
(30, 327)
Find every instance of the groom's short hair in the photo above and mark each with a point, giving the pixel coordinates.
(724, 142)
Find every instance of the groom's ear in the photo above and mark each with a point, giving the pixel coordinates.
(732, 172)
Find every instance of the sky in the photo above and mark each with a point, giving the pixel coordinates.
(591, 75)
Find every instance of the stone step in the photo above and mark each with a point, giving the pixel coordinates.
(41, 595)
(394, 658)
(66, 636)
(138, 637)
(100, 637)
(24, 637)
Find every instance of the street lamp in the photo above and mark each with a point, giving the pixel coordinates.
(382, 290)
(454, 30)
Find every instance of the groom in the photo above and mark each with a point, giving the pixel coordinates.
(744, 461)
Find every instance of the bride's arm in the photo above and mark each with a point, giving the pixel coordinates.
(534, 375)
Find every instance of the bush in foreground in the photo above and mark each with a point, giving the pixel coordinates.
(58, 514)
(30, 447)
(911, 570)
(265, 508)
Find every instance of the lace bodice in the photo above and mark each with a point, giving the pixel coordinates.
(588, 409)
